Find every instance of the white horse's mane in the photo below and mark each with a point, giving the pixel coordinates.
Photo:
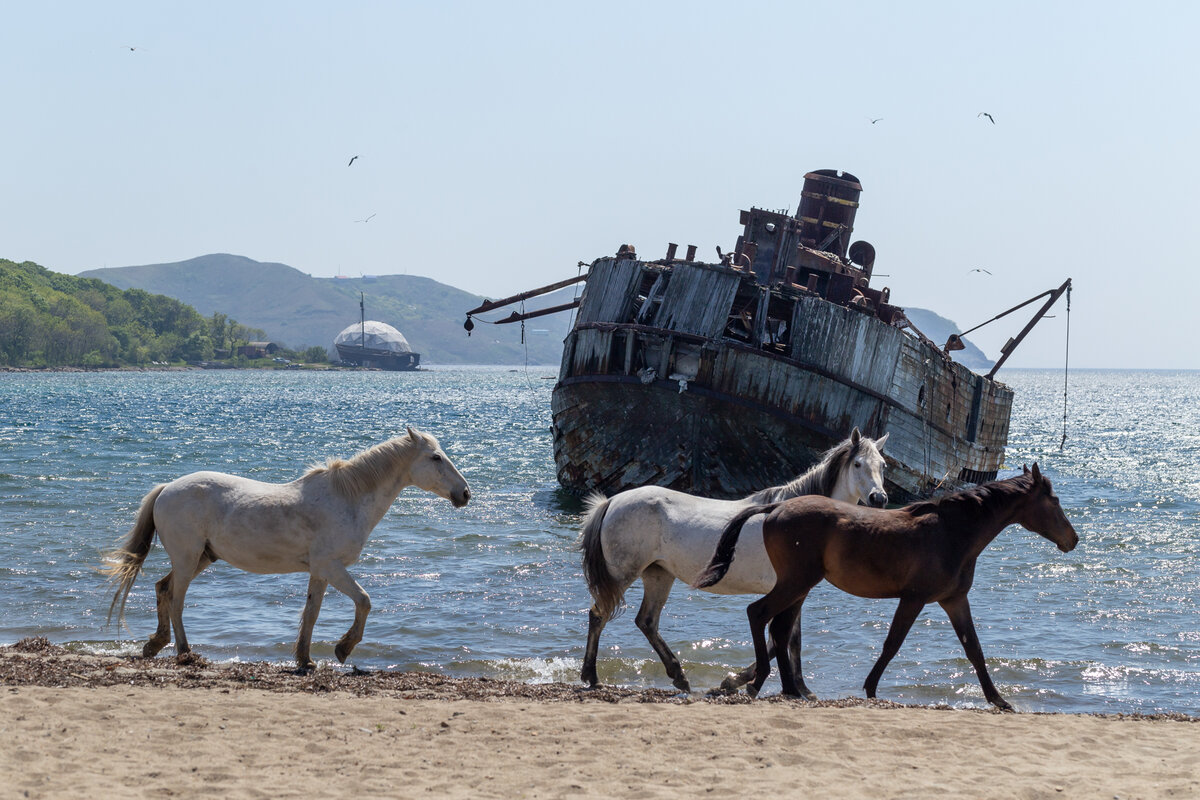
(819, 479)
(363, 472)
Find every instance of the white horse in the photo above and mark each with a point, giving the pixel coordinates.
(317, 524)
(660, 534)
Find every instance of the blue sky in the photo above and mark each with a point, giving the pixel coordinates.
(500, 144)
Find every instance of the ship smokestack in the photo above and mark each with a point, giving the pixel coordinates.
(828, 204)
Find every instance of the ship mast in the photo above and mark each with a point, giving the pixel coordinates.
(362, 321)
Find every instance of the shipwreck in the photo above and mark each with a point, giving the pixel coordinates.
(722, 378)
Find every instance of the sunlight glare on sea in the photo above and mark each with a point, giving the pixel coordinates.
(495, 588)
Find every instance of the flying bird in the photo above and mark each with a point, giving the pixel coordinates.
(131, 48)
(985, 114)
(352, 160)
(980, 269)
(879, 119)
(368, 219)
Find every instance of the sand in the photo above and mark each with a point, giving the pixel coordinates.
(97, 727)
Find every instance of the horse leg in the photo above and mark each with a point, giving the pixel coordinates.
(735, 680)
(902, 622)
(959, 611)
(340, 579)
(785, 627)
(656, 587)
(162, 636)
(759, 613)
(596, 625)
(178, 589)
(312, 607)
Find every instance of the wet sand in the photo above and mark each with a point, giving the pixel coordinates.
(94, 726)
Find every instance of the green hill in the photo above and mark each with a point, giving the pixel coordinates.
(300, 311)
(48, 319)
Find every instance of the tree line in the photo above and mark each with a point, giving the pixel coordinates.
(48, 319)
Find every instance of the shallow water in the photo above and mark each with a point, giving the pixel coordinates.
(495, 588)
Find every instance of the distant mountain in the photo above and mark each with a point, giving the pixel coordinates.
(299, 311)
(939, 328)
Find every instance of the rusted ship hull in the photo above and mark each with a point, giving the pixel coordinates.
(728, 418)
(721, 379)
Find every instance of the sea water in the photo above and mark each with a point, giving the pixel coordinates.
(495, 588)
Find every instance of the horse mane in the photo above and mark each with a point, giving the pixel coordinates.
(819, 479)
(362, 473)
(975, 498)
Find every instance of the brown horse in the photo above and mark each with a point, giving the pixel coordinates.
(922, 553)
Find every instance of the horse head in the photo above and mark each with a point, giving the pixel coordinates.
(432, 471)
(861, 478)
(1043, 513)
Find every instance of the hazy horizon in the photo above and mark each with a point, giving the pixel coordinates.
(495, 146)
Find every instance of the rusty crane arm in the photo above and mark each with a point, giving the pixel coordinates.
(491, 305)
(1051, 296)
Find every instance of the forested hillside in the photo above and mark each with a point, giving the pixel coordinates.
(48, 319)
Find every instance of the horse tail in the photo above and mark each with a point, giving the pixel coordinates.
(723, 557)
(605, 591)
(123, 564)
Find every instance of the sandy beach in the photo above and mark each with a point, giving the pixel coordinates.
(90, 726)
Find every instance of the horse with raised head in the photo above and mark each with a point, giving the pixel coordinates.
(660, 534)
(316, 524)
(922, 553)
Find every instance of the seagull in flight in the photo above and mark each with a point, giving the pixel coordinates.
(985, 114)
(368, 219)
(878, 119)
(131, 48)
(352, 160)
(980, 269)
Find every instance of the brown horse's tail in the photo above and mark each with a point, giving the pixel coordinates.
(723, 557)
(605, 591)
(123, 564)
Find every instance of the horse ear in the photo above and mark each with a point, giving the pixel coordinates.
(880, 441)
(1037, 473)
(411, 433)
(855, 436)
(1024, 469)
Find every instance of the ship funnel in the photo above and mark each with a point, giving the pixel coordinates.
(828, 204)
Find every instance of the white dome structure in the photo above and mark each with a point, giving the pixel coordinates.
(375, 344)
(373, 335)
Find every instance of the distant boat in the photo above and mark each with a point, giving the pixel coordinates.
(370, 343)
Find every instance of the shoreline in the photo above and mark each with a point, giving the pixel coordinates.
(145, 727)
(36, 661)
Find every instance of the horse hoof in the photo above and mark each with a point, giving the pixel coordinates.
(752, 691)
(342, 653)
(730, 684)
(682, 685)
